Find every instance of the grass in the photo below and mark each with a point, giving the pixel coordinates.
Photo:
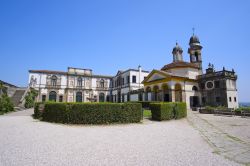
(147, 113)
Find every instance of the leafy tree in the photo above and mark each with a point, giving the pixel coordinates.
(30, 98)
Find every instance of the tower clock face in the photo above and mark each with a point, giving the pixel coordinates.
(210, 85)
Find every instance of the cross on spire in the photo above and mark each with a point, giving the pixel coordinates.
(193, 30)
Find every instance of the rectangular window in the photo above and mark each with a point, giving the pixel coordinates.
(60, 98)
(230, 99)
(43, 98)
(217, 99)
(128, 79)
(217, 84)
(134, 79)
(235, 100)
(123, 82)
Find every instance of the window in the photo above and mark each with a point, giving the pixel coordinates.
(101, 97)
(217, 84)
(230, 99)
(43, 98)
(102, 83)
(53, 80)
(128, 79)
(123, 82)
(195, 88)
(217, 99)
(52, 96)
(134, 79)
(79, 82)
(196, 56)
(235, 100)
(60, 98)
(79, 97)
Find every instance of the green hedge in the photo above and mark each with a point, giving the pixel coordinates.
(145, 104)
(166, 111)
(180, 110)
(91, 113)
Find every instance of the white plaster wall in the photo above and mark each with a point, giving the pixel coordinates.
(232, 104)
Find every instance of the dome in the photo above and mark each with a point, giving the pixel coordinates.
(177, 48)
(194, 39)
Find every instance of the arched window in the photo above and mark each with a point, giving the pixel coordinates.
(196, 56)
(101, 97)
(79, 97)
(195, 88)
(53, 80)
(102, 83)
(79, 82)
(52, 96)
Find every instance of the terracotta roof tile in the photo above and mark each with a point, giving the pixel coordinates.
(179, 64)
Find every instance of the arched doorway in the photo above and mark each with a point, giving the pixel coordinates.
(79, 97)
(156, 93)
(178, 93)
(166, 96)
(101, 97)
(52, 96)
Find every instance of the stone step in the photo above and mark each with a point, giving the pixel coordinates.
(17, 97)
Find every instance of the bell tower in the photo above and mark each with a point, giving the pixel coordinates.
(195, 51)
(177, 53)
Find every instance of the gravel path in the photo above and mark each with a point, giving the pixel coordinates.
(25, 141)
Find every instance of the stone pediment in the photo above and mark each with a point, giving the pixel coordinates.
(157, 75)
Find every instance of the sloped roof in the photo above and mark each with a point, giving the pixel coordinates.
(180, 64)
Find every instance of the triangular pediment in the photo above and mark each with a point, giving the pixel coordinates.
(156, 75)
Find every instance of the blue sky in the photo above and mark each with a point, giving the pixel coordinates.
(107, 35)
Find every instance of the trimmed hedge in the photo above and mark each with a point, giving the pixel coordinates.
(180, 110)
(91, 113)
(162, 111)
(145, 104)
(166, 111)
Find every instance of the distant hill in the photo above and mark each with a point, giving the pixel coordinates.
(244, 104)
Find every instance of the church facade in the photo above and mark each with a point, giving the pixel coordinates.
(178, 81)
(182, 81)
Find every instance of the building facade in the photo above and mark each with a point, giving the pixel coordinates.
(81, 85)
(182, 81)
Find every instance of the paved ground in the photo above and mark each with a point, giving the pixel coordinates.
(25, 141)
(229, 136)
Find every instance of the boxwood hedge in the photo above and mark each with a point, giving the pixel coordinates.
(91, 113)
(166, 111)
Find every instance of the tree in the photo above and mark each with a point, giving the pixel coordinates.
(30, 98)
(5, 104)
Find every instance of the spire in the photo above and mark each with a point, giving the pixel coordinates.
(193, 29)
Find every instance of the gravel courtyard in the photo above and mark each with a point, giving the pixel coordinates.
(29, 142)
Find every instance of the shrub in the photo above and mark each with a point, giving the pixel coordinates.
(30, 98)
(92, 113)
(38, 110)
(5, 104)
(166, 111)
(180, 110)
(162, 111)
